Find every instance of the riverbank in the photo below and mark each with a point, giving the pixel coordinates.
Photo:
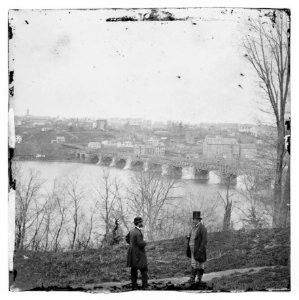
(166, 259)
(54, 160)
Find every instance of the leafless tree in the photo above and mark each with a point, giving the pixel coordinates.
(210, 210)
(122, 210)
(76, 194)
(84, 239)
(60, 202)
(167, 224)
(253, 205)
(227, 201)
(268, 51)
(27, 193)
(149, 194)
(40, 211)
(107, 193)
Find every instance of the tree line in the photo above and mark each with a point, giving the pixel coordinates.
(65, 214)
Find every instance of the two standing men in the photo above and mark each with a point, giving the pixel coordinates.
(196, 250)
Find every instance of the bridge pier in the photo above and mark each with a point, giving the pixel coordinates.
(188, 172)
(145, 166)
(113, 162)
(137, 164)
(202, 174)
(128, 165)
(165, 169)
(99, 161)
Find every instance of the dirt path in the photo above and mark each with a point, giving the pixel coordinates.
(108, 286)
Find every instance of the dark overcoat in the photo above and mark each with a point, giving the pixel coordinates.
(136, 252)
(200, 244)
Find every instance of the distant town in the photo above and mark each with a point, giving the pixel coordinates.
(49, 138)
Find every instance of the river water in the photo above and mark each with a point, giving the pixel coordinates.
(190, 194)
(88, 174)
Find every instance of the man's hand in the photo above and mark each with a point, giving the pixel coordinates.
(127, 238)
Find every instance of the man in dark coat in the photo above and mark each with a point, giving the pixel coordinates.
(136, 254)
(196, 250)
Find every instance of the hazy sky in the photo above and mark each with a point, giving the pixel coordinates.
(75, 64)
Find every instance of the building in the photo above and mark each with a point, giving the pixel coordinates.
(149, 150)
(127, 144)
(153, 141)
(60, 139)
(160, 149)
(144, 150)
(102, 124)
(110, 143)
(94, 145)
(44, 129)
(219, 147)
(249, 129)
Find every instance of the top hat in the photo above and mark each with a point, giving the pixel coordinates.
(137, 220)
(196, 215)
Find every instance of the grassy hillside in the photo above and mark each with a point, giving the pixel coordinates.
(231, 250)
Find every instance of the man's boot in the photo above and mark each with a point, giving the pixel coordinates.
(134, 278)
(193, 274)
(12, 277)
(144, 278)
(199, 274)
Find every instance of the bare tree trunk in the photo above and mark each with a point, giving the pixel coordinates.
(60, 202)
(285, 205)
(76, 195)
(18, 234)
(89, 232)
(227, 216)
(277, 222)
(23, 232)
(75, 218)
(107, 226)
(57, 235)
(47, 231)
(228, 203)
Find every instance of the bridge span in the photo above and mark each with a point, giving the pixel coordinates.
(186, 167)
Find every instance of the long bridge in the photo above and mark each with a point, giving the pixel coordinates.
(188, 168)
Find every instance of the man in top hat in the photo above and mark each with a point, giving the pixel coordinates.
(136, 253)
(196, 250)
